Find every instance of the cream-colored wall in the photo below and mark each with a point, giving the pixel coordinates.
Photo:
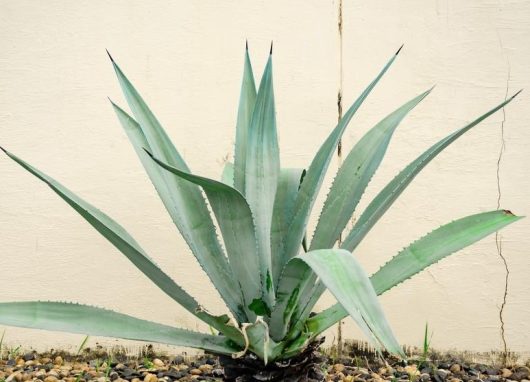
(186, 58)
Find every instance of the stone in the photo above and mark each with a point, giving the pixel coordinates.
(218, 373)
(338, 367)
(158, 362)
(455, 368)
(102, 379)
(136, 380)
(195, 372)
(412, 370)
(206, 369)
(150, 378)
(506, 373)
(50, 378)
(442, 373)
(58, 360)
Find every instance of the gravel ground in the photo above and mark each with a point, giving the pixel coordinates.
(54, 367)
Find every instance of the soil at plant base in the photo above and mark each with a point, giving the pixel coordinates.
(101, 366)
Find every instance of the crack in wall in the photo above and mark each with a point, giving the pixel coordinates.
(498, 237)
(340, 343)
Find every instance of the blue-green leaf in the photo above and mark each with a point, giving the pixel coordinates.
(247, 100)
(262, 173)
(355, 174)
(288, 185)
(382, 202)
(76, 318)
(316, 172)
(236, 224)
(428, 250)
(342, 274)
(126, 244)
(188, 208)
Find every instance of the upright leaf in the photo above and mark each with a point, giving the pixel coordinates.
(76, 318)
(342, 274)
(190, 212)
(247, 99)
(355, 174)
(422, 253)
(288, 185)
(175, 193)
(388, 195)
(235, 221)
(382, 202)
(316, 172)
(262, 173)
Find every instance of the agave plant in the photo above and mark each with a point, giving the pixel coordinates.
(266, 271)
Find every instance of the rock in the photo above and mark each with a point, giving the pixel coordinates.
(412, 370)
(150, 378)
(136, 380)
(102, 379)
(218, 373)
(455, 380)
(158, 362)
(50, 378)
(492, 371)
(455, 368)
(29, 356)
(20, 362)
(338, 367)
(206, 369)
(195, 372)
(442, 373)
(519, 375)
(58, 360)
(425, 377)
(506, 373)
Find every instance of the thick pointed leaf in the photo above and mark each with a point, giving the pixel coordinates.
(345, 193)
(236, 224)
(355, 174)
(125, 243)
(227, 177)
(262, 173)
(188, 208)
(84, 319)
(316, 172)
(342, 274)
(382, 202)
(247, 100)
(428, 250)
(288, 185)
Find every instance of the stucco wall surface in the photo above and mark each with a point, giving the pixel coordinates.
(186, 59)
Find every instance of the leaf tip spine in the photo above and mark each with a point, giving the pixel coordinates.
(111, 59)
(399, 50)
(270, 52)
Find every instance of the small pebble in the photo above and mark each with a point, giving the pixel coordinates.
(195, 372)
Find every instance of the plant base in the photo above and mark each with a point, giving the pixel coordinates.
(305, 367)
